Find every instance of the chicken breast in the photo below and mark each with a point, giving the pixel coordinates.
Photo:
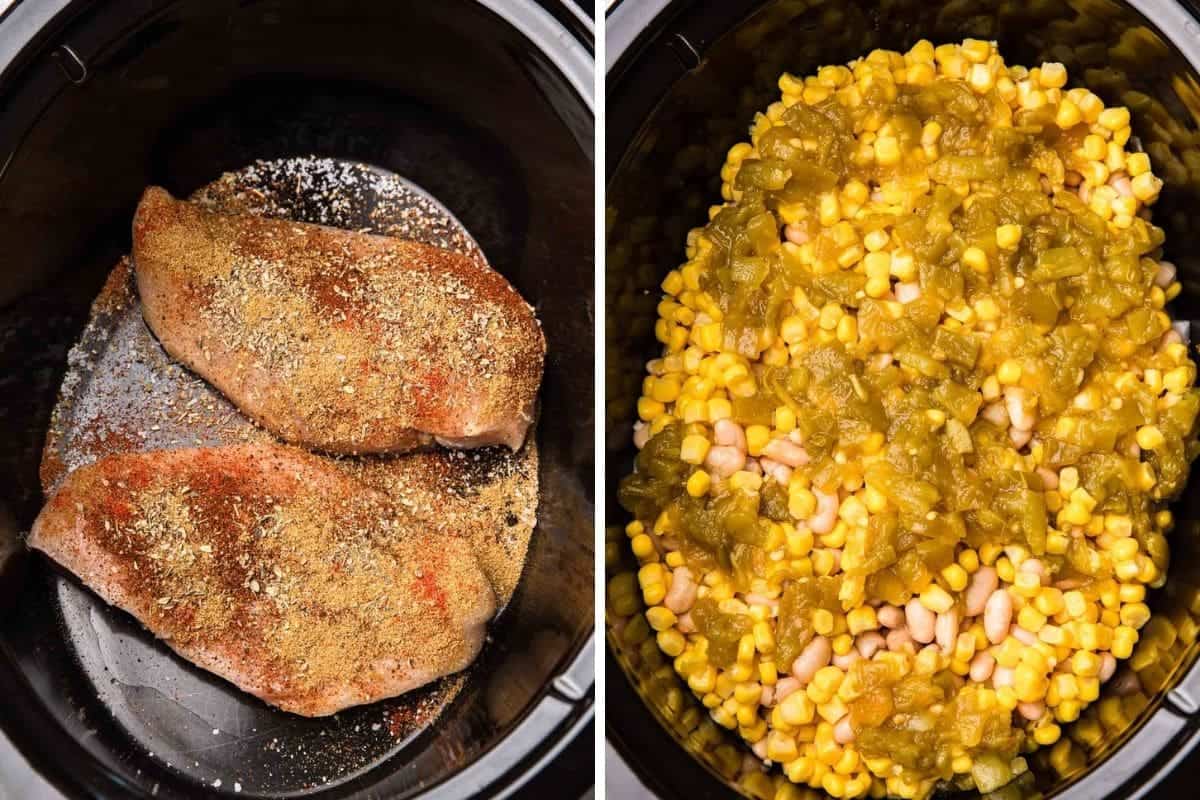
(341, 341)
(273, 569)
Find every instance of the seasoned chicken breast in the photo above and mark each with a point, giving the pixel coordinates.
(341, 341)
(273, 569)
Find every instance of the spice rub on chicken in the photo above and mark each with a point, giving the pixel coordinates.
(271, 568)
(344, 342)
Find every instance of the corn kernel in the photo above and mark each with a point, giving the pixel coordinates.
(1008, 236)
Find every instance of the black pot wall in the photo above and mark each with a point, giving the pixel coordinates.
(486, 114)
(683, 84)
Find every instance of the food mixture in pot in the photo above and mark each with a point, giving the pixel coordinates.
(905, 458)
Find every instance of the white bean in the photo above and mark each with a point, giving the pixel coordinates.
(1022, 635)
(682, 595)
(996, 414)
(981, 666)
(836, 552)
(786, 452)
(795, 233)
(880, 361)
(1032, 711)
(753, 466)
(1108, 665)
(890, 616)
(907, 292)
(1120, 181)
(844, 662)
(1049, 478)
(641, 434)
(1020, 408)
(945, 630)
(784, 687)
(869, 643)
(816, 654)
(780, 473)
(1170, 337)
(686, 624)
(827, 509)
(725, 460)
(1033, 565)
(1019, 438)
(767, 699)
(899, 640)
(1165, 275)
(1085, 193)
(843, 731)
(997, 616)
(921, 621)
(1182, 327)
(728, 433)
(760, 748)
(1002, 676)
(983, 583)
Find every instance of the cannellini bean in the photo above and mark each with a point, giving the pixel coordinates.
(1120, 181)
(795, 233)
(1165, 275)
(1002, 676)
(836, 552)
(753, 466)
(844, 662)
(780, 473)
(996, 414)
(816, 654)
(641, 434)
(1085, 193)
(843, 732)
(880, 361)
(900, 639)
(1108, 665)
(869, 643)
(686, 624)
(768, 696)
(945, 630)
(890, 616)
(981, 666)
(827, 509)
(983, 583)
(760, 749)
(1031, 711)
(997, 616)
(784, 687)
(1049, 478)
(787, 452)
(728, 433)
(1019, 438)
(1020, 408)
(682, 594)
(921, 621)
(1022, 635)
(907, 292)
(754, 598)
(1035, 566)
(1126, 683)
(1169, 338)
(725, 460)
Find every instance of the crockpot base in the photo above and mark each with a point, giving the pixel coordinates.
(685, 80)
